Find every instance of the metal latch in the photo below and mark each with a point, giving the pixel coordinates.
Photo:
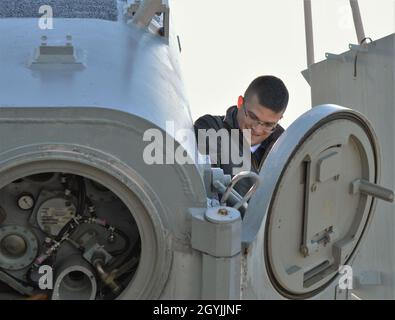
(229, 193)
(54, 53)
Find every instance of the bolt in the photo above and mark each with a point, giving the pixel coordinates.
(67, 192)
(304, 251)
(111, 238)
(44, 40)
(68, 40)
(223, 212)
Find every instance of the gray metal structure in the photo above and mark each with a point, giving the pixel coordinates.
(306, 222)
(77, 194)
(77, 100)
(363, 79)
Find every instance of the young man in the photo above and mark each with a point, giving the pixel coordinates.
(260, 110)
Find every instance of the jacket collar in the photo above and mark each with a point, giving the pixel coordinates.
(231, 118)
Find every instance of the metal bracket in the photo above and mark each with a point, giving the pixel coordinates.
(342, 294)
(216, 235)
(344, 57)
(338, 57)
(94, 250)
(358, 48)
(54, 53)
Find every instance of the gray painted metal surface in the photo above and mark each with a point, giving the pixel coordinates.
(78, 99)
(217, 234)
(124, 68)
(364, 80)
(68, 140)
(304, 223)
(90, 119)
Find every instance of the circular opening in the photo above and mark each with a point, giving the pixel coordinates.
(76, 285)
(76, 276)
(70, 217)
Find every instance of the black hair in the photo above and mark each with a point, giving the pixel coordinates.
(271, 93)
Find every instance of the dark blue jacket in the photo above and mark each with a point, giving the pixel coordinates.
(228, 122)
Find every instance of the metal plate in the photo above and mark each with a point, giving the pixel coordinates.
(54, 214)
(313, 222)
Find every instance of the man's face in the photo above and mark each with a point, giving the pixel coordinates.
(258, 118)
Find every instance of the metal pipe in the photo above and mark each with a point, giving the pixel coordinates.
(75, 279)
(374, 190)
(107, 278)
(308, 20)
(356, 13)
(146, 11)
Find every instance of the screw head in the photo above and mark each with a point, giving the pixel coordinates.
(304, 251)
(314, 187)
(111, 238)
(223, 212)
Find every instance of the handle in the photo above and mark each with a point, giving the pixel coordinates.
(248, 195)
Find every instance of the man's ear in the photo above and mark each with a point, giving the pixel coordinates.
(240, 102)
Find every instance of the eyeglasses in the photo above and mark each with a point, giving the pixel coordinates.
(255, 122)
